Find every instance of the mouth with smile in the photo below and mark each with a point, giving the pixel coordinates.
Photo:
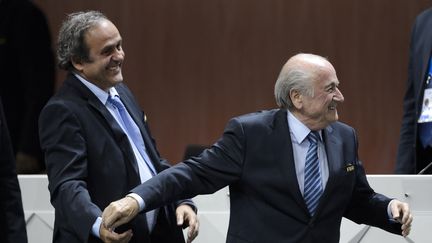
(114, 68)
(332, 107)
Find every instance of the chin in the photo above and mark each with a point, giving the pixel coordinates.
(118, 79)
(333, 116)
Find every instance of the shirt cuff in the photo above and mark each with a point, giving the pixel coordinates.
(139, 200)
(96, 227)
(188, 202)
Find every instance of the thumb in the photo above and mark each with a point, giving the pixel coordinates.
(179, 219)
(395, 210)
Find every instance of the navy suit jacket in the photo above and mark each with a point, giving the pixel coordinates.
(420, 52)
(255, 158)
(90, 162)
(12, 224)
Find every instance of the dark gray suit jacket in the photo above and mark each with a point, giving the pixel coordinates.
(255, 158)
(90, 163)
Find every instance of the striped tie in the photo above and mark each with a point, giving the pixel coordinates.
(312, 181)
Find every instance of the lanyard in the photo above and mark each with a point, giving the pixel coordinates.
(429, 72)
(430, 66)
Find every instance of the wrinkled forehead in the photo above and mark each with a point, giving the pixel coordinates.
(325, 77)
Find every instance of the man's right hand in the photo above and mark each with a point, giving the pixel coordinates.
(109, 236)
(120, 212)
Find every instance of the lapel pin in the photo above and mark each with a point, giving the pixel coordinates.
(349, 167)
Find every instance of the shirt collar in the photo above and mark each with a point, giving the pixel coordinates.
(101, 94)
(297, 128)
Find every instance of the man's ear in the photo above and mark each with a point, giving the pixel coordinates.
(296, 98)
(77, 63)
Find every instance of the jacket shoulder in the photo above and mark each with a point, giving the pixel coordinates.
(263, 116)
(341, 128)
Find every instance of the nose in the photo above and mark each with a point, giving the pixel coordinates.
(338, 96)
(118, 55)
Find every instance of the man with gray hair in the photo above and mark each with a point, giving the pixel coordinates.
(293, 172)
(98, 145)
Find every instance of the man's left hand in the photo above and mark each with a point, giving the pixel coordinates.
(186, 216)
(402, 214)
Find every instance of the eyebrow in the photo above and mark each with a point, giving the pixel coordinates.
(332, 84)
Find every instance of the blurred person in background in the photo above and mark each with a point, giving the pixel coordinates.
(415, 144)
(27, 74)
(12, 224)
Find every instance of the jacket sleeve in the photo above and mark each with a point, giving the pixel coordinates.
(366, 206)
(65, 157)
(214, 169)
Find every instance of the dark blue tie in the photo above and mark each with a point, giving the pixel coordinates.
(312, 178)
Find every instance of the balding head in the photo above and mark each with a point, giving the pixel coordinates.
(298, 74)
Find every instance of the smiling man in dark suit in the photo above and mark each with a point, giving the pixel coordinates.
(97, 143)
(293, 172)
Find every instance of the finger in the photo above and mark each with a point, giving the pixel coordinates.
(406, 231)
(394, 209)
(395, 212)
(193, 230)
(406, 228)
(119, 221)
(192, 234)
(180, 217)
(125, 236)
(406, 215)
(111, 236)
(109, 216)
(114, 220)
(408, 222)
(192, 227)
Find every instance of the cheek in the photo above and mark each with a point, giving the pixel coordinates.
(328, 100)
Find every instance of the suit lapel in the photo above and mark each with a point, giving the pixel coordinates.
(333, 148)
(137, 116)
(283, 138)
(118, 133)
(119, 136)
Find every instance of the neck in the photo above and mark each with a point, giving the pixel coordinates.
(310, 123)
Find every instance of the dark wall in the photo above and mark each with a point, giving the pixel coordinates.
(193, 64)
